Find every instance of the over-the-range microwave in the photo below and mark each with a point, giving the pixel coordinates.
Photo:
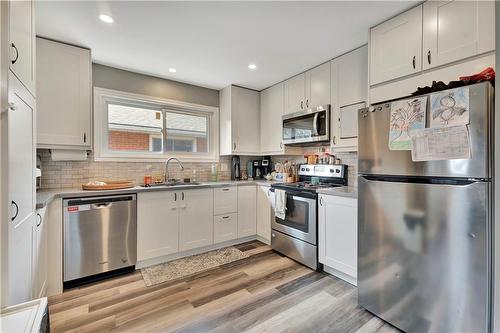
(309, 126)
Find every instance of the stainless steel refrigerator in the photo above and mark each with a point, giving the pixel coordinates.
(425, 228)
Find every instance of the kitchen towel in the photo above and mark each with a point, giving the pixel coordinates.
(280, 204)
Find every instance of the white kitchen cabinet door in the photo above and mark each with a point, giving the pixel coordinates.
(40, 254)
(455, 30)
(239, 121)
(247, 211)
(396, 47)
(225, 200)
(318, 86)
(63, 96)
(157, 224)
(196, 219)
(21, 152)
(295, 93)
(346, 132)
(22, 42)
(19, 262)
(338, 235)
(225, 227)
(351, 77)
(271, 122)
(264, 213)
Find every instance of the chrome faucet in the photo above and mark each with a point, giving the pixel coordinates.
(166, 167)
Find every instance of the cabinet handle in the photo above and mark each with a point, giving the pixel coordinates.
(301, 105)
(321, 201)
(225, 217)
(13, 203)
(182, 196)
(84, 137)
(413, 62)
(334, 139)
(225, 189)
(307, 103)
(39, 219)
(429, 57)
(175, 196)
(17, 53)
(174, 208)
(234, 146)
(281, 145)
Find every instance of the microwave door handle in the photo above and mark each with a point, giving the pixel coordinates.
(315, 124)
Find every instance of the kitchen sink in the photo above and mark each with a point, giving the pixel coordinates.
(171, 184)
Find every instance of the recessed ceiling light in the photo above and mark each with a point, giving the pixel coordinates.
(172, 70)
(106, 18)
(252, 66)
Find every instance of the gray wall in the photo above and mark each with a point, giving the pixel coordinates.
(118, 79)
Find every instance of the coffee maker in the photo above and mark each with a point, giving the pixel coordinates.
(235, 168)
(265, 165)
(257, 169)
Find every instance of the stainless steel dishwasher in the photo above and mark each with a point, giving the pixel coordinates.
(100, 235)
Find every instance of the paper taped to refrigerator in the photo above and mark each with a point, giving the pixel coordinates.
(445, 143)
(406, 115)
(450, 108)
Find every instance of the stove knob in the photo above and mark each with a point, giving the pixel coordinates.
(307, 169)
(337, 170)
(302, 169)
(331, 170)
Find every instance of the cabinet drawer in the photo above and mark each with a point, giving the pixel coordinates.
(225, 227)
(225, 200)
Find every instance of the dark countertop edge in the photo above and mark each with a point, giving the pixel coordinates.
(45, 197)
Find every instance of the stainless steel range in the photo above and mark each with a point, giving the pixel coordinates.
(296, 236)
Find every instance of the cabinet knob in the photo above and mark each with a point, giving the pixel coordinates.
(17, 53)
(301, 105)
(13, 204)
(429, 57)
(413, 62)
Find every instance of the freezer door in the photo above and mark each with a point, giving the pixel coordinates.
(376, 158)
(423, 254)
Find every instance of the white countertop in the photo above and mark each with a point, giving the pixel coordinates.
(44, 197)
(344, 191)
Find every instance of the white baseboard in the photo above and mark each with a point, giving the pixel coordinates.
(263, 240)
(170, 257)
(346, 277)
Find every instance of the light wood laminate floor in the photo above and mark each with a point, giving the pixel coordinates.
(266, 292)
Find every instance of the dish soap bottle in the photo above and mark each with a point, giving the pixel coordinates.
(214, 172)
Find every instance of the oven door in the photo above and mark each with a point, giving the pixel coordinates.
(300, 217)
(312, 125)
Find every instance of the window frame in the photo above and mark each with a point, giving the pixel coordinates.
(103, 96)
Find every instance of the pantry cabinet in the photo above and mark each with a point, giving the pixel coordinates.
(63, 96)
(349, 76)
(396, 47)
(239, 111)
(454, 30)
(196, 218)
(308, 89)
(157, 224)
(247, 211)
(338, 236)
(22, 42)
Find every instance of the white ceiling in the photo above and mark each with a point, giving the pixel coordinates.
(211, 43)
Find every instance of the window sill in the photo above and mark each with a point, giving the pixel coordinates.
(159, 159)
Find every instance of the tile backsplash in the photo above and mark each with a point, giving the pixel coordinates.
(72, 174)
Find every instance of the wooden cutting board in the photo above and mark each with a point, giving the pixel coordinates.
(110, 185)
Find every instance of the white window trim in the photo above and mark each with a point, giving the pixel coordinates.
(103, 96)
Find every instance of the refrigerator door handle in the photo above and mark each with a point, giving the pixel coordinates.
(425, 180)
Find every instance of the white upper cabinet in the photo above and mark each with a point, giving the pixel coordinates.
(196, 219)
(349, 94)
(271, 123)
(396, 47)
(239, 121)
(63, 96)
(295, 94)
(455, 30)
(318, 86)
(22, 42)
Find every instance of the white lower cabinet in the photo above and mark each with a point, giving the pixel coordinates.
(40, 254)
(225, 200)
(247, 211)
(265, 212)
(157, 224)
(196, 219)
(225, 227)
(338, 236)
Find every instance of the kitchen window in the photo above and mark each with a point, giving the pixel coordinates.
(135, 127)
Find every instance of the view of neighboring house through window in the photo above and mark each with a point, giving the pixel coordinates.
(139, 129)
